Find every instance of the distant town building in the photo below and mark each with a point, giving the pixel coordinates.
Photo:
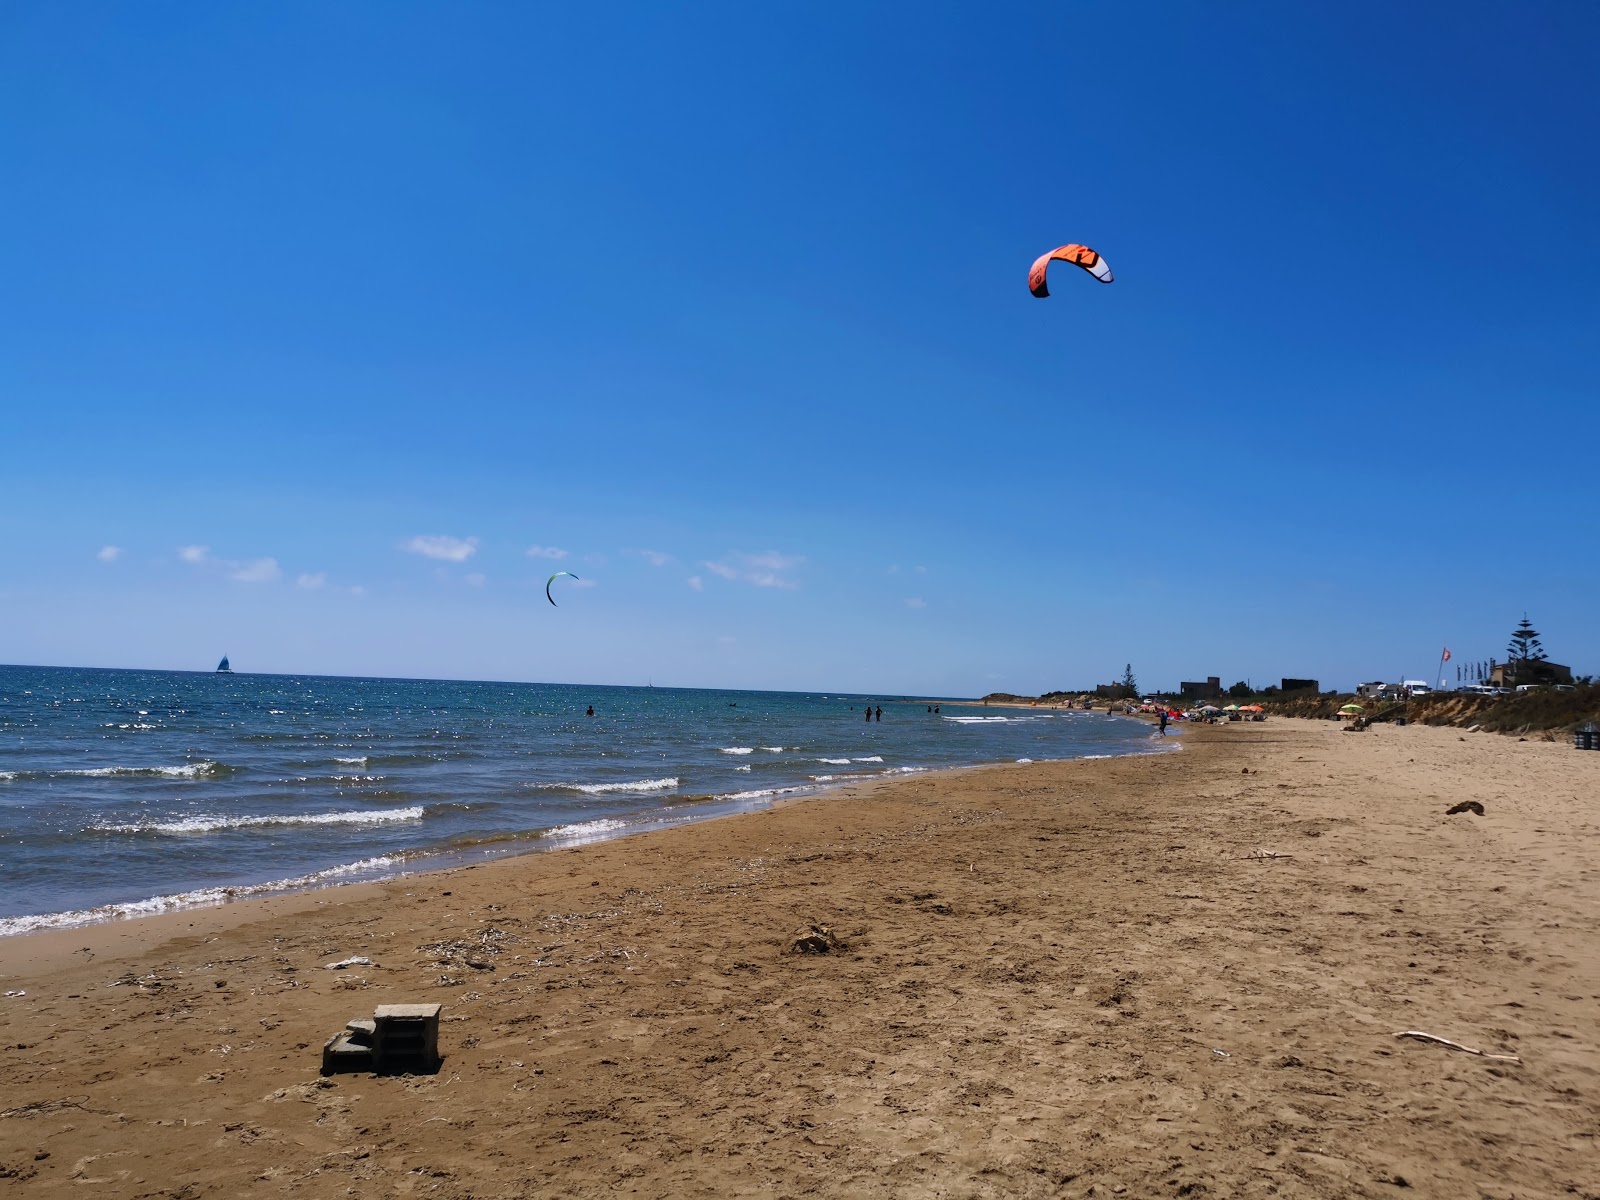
(1299, 685)
(1529, 670)
(1209, 690)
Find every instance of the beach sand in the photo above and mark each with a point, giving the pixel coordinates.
(1063, 979)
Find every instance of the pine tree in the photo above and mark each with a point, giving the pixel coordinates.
(1525, 645)
(1128, 681)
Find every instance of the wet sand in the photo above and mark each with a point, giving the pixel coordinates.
(1063, 979)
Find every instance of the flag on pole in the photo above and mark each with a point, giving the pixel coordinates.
(1446, 656)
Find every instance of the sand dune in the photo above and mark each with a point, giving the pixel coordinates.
(1056, 980)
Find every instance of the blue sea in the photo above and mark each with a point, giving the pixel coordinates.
(131, 792)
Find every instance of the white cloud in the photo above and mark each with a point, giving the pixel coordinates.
(697, 583)
(194, 554)
(475, 580)
(358, 590)
(555, 552)
(766, 570)
(109, 553)
(257, 570)
(311, 582)
(654, 557)
(442, 546)
(916, 602)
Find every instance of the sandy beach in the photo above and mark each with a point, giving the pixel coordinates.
(1173, 975)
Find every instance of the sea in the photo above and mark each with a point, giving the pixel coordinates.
(125, 793)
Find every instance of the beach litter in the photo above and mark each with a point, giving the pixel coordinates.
(1466, 806)
(11, 995)
(355, 960)
(1264, 855)
(1433, 1037)
(816, 939)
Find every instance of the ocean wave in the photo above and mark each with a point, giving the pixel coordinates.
(979, 720)
(131, 725)
(1024, 760)
(746, 767)
(211, 824)
(836, 762)
(199, 770)
(602, 789)
(869, 758)
(761, 793)
(738, 750)
(359, 761)
(773, 749)
(585, 831)
(376, 868)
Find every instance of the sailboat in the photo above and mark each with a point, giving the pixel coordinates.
(223, 668)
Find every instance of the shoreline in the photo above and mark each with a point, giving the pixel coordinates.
(1056, 977)
(178, 909)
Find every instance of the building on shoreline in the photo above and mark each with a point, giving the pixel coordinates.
(1209, 690)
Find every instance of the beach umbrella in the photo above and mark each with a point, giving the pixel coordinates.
(1231, 708)
(1352, 708)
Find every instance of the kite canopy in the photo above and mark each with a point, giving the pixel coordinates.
(1080, 256)
(551, 580)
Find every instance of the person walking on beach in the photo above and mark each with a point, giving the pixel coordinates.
(1163, 722)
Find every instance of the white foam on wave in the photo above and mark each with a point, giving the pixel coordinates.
(199, 898)
(905, 770)
(773, 749)
(131, 725)
(761, 793)
(975, 720)
(738, 750)
(584, 831)
(360, 761)
(638, 785)
(5, 776)
(187, 771)
(212, 824)
(746, 767)
(869, 758)
(835, 762)
(1024, 760)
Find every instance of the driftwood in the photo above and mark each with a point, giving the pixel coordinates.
(1431, 1037)
(1263, 855)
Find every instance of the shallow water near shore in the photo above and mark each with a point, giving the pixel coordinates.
(124, 792)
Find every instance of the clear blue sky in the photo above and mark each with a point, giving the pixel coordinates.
(727, 302)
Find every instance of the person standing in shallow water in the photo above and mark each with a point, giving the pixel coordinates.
(879, 717)
(869, 712)
(590, 713)
(1163, 722)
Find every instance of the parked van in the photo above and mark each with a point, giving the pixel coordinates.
(1414, 687)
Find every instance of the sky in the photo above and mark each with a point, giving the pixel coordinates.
(328, 332)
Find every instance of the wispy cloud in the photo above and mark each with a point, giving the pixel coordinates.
(769, 569)
(442, 547)
(250, 570)
(555, 552)
(257, 570)
(654, 557)
(916, 602)
(475, 580)
(311, 582)
(109, 553)
(697, 583)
